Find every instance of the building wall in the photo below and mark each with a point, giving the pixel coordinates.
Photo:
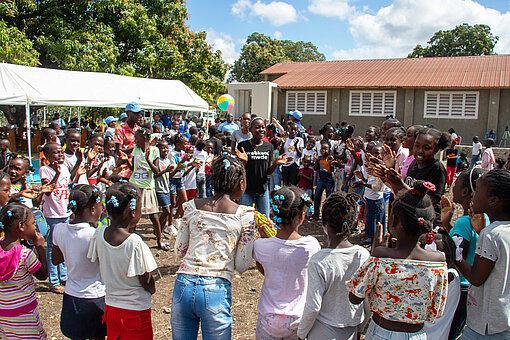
(411, 100)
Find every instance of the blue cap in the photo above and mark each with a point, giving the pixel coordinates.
(110, 119)
(296, 114)
(133, 106)
(123, 116)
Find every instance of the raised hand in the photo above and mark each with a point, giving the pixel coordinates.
(359, 174)
(55, 166)
(241, 154)
(46, 188)
(380, 239)
(92, 153)
(283, 160)
(388, 156)
(477, 220)
(154, 141)
(349, 145)
(29, 193)
(81, 171)
(38, 239)
(446, 210)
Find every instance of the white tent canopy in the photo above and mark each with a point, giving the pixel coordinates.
(24, 85)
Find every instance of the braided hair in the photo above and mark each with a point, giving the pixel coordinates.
(11, 214)
(339, 212)
(83, 196)
(287, 203)
(226, 172)
(414, 209)
(498, 184)
(144, 132)
(399, 132)
(25, 160)
(442, 139)
(119, 198)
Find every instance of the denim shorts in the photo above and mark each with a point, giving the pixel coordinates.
(176, 184)
(163, 199)
(82, 318)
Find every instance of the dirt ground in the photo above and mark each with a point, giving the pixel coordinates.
(245, 289)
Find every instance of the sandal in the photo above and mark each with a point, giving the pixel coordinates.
(164, 246)
(57, 289)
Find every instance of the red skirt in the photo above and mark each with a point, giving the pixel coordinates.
(125, 324)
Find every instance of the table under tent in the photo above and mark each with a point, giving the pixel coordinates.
(36, 86)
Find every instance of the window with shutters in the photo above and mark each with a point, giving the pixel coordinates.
(456, 105)
(372, 103)
(307, 102)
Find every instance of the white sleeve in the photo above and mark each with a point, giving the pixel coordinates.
(244, 249)
(92, 253)
(314, 294)
(141, 261)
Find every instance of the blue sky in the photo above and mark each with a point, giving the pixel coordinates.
(344, 29)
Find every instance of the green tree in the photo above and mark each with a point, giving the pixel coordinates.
(463, 40)
(261, 51)
(147, 38)
(15, 47)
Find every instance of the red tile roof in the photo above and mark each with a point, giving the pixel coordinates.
(447, 72)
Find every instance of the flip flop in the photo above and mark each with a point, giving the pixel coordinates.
(57, 289)
(164, 246)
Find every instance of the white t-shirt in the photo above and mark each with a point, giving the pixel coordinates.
(488, 305)
(55, 204)
(120, 266)
(109, 166)
(309, 153)
(70, 161)
(477, 147)
(285, 265)
(200, 156)
(83, 276)
(289, 149)
(190, 181)
(440, 328)
(327, 298)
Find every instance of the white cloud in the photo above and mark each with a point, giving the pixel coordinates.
(276, 13)
(394, 30)
(331, 8)
(277, 35)
(224, 43)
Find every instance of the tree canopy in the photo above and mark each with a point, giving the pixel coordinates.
(146, 38)
(463, 40)
(261, 51)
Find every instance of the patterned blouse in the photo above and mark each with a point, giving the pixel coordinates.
(215, 244)
(402, 290)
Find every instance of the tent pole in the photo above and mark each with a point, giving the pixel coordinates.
(70, 113)
(79, 115)
(44, 116)
(29, 137)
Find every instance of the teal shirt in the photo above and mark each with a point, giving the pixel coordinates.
(464, 229)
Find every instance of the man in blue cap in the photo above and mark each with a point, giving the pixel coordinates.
(125, 134)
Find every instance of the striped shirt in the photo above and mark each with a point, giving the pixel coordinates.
(17, 294)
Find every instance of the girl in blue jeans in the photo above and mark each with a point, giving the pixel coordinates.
(325, 182)
(214, 239)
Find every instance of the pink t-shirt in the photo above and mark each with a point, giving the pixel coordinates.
(285, 265)
(405, 165)
(401, 155)
(55, 204)
(18, 288)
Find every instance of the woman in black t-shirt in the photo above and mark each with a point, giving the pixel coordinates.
(257, 155)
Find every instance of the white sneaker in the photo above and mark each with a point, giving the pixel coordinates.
(170, 230)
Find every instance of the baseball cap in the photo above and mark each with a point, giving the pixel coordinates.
(123, 116)
(110, 119)
(133, 106)
(296, 114)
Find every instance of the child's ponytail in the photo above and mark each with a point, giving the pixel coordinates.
(287, 203)
(226, 172)
(12, 213)
(83, 196)
(121, 196)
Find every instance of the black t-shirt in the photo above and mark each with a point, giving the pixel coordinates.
(451, 162)
(435, 174)
(217, 145)
(259, 160)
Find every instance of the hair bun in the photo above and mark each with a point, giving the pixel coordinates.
(420, 188)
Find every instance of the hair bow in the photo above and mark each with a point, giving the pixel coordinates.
(226, 162)
(98, 199)
(305, 197)
(9, 213)
(113, 200)
(277, 187)
(72, 202)
(275, 208)
(277, 219)
(132, 204)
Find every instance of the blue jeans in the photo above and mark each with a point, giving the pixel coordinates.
(376, 332)
(56, 274)
(469, 334)
(376, 212)
(201, 185)
(322, 184)
(275, 178)
(261, 201)
(474, 159)
(201, 299)
(208, 185)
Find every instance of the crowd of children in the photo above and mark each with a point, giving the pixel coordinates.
(418, 276)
